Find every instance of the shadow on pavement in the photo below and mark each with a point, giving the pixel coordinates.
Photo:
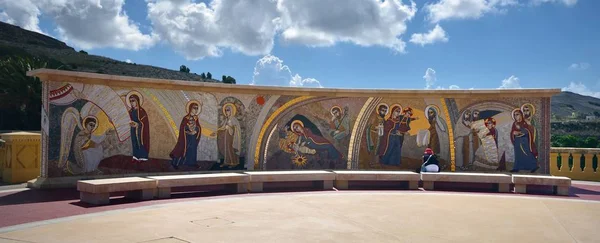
(38, 196)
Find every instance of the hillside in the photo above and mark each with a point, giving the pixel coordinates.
(17, 41)
(566, 103)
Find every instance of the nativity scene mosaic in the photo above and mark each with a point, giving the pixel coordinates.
(97, 129)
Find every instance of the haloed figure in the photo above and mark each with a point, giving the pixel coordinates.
(434, 139)
(394, 129)
(140, 129)
(375, 131)
(186, 149)
(523, 139)
(339, 123)
(88, 147)
(313, 141)
(229, 136)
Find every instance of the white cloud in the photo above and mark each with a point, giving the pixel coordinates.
(511, 82)
(579, 66)
(198, 30)
(437, 34)
(454, 86)
(456, 9)
(568, 3)
(297, 81)
(474, 9)
(270, 71)
(83, 23)
(362, 22)
(430, 78)
(128, 61)
(581, 89)
(22, 13)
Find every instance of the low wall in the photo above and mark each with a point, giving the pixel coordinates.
(102, 125)
(19, 156)
(575, 163)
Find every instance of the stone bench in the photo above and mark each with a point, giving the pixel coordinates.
(320, 179)
(342, 178)
(233, 181)
(98, 191)
(560, 184)
(503, 181)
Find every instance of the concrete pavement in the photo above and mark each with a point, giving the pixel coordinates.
(359, 216)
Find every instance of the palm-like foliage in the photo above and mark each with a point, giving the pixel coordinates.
(20, 95)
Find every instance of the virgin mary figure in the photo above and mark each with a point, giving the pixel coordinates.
(140, 127)
(522, 136)
(306, 138)
(390, 145)
(186, 149)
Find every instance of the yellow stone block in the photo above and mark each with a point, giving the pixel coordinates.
(20, 156)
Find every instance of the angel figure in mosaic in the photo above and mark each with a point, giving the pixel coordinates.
(87, 147)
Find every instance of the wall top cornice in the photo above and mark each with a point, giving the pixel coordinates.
(136, 82)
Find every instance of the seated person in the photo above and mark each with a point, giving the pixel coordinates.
(430, 162)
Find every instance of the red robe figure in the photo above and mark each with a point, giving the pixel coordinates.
(186, 149)
(394, 129)
(522, 136)
(490, 123)
(140, 129)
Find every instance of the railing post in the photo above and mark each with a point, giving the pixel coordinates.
(582, 162)
(570, 162)
(595, 163)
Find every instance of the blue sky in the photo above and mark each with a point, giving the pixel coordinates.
(527, 43)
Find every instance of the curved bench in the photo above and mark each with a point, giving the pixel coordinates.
(560, 184)
(503, 181)
(343, 178)
(233, 181)
(98, 191)
(321, 179)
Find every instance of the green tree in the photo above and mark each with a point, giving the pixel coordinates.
(208, 75)
(20, 95)
(564, 141)
(228, 79)
(83, 52)
(184, 69)
(203, 76)
(590, 142)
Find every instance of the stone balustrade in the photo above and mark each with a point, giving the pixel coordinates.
(575, 163)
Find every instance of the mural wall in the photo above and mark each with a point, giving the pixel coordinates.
(102, 130)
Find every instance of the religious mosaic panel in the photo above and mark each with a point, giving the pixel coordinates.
(103, 130)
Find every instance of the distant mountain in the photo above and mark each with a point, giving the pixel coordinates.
(566, 103)
(17, 41)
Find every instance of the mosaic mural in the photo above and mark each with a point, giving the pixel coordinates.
(96, 129)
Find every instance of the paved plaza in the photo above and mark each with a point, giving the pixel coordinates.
(315, 216)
